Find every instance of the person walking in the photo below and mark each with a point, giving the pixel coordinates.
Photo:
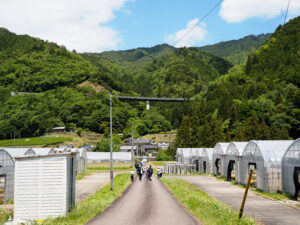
(140, 172)
(150, 172)
(159, 173)
(132, 175)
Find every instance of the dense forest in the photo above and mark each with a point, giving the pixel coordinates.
(242, 89)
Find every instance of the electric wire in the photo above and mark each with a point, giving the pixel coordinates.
(206, 15)
(286, 13)
(18, 60)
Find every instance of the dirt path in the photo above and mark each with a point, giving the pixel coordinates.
(147, 203)
(90, 184)
(265, 210)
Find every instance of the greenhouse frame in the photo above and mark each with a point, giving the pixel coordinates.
(291, 169)
(7, 169)
(196, 159)
(206, 161)
(218, 158)
(266, 158)
(232, 160)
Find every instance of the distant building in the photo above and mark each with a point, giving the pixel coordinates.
(163, 145)
(127, 148)
(145, 148)
(59, 129)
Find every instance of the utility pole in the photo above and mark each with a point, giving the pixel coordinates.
(132, 154)
(111, 147)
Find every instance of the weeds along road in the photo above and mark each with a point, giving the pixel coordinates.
(268, 211)
(145, 202)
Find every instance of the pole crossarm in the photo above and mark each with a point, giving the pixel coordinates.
(152, 99)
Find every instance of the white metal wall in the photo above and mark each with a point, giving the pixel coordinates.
(42, 186)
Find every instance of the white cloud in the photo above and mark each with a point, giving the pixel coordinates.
(235, 11)
(194, 36)
(77, 24)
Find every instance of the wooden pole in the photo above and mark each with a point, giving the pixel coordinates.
(245, 195)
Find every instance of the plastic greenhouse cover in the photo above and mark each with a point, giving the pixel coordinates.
(221, 146)
(240, 146)
(209, 152)
(272, 151)
(14, 152)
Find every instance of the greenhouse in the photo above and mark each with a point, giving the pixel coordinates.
(291, 169)
(232, 160)
(218, 158)
(265, 158)
(99, 157)
(42, 151)
(7, 170)
(179, 155)
(206, 161)
(195, 159)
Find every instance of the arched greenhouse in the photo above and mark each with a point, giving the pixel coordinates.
(7, 169)
(232, 160)
(206, 161)
(218, 158)
(291, 169)
(265, 158)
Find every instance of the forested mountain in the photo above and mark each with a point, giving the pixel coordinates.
(131, 60)
(257, 100)
(53, 73)
(44, 65)
(236, 51)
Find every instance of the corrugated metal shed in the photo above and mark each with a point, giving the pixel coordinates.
(44, 186)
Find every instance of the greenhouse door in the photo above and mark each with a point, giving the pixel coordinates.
(2, 189)
(252, 166)
(204, 167)
(197, 165)
(231, 170)
(296, 182)
(218, 163)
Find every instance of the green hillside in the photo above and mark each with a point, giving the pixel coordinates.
(257, 100)
(44, 65)
(237, 51)
(131, 60)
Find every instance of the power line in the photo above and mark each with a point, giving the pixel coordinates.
(287, 9)
(206, 15)
(20, 61)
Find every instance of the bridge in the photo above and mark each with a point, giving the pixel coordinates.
(152, 99)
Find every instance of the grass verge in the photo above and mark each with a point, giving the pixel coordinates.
(202, 206)
(94, 205)
(106, 166)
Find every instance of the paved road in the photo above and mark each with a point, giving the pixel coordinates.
(90, 184)
(147, 203)
(267, 211)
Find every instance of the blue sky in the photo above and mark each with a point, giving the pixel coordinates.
(99, 25)
(150, 22)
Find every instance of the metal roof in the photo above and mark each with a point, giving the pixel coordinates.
(272, 151)
(236, 148)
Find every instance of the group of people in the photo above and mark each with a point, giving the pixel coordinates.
(143, 170)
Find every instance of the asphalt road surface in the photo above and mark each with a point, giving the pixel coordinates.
(268, 211)
(90, 184)
(145, 203)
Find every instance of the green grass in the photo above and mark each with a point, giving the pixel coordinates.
(205, 208)
(34, 141)
(94, 205)
(4, 215)
(106, 166)
(158, 163)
